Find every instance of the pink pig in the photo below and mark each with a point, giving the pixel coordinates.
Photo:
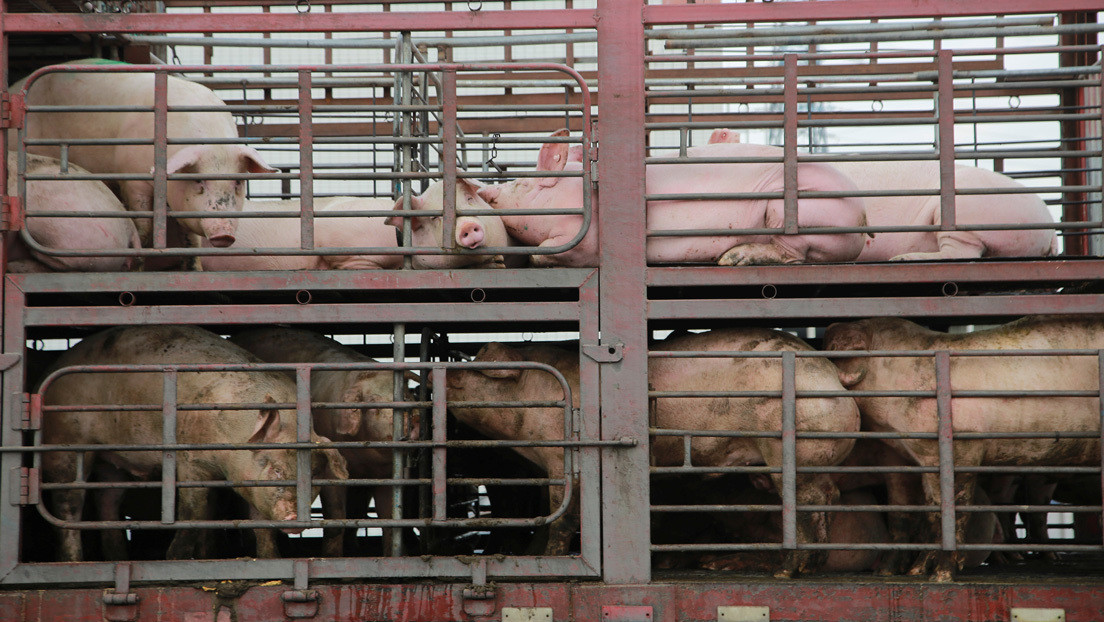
(970, 209)
(137, 89)
(679, 214)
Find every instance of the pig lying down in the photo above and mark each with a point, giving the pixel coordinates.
(352, 232)
(681, 215)
(1014, 207)
(137, 89)
(69, 234)
(1014, 412)
(117, 425)
(831, 414)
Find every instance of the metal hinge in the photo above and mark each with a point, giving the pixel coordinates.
(25, 486)
(603, 352)
(12, 217)
(120, 604)
(29, 408)
(11, 111)
(300, 602)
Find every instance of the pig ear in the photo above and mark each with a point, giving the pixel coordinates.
(470, 187)
(724, 135)
(416, 203)
(268, 426)
(850, 379)
(186, 158)
(553, 156)
(489, 193)
(348, 419)
(846, 336)
(253, 161)
(496, 352)
(335, 465)
(575, 153)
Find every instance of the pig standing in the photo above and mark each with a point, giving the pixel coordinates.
(166, 345)
(1012, 208)
(838, 414)
(61, 233)
(996, 415)
(351, 424)
(678, 214)
(353, 232)
(137, 89)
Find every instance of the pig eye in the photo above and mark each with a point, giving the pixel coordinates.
(200, 187)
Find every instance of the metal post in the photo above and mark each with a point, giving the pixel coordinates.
(168, 437)
(440, 454)
(306, 161)
(789, 145)
(398, 456)
(448, 156)
(303, 435)
(945, 143)
(946, 448)
(622, 292)
(160, 158)
(789, 450)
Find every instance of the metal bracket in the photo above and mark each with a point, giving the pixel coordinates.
(603, 352)
(25, 486)
(479, 598)
(11, 111)
(12, 217)
(120, 604)
(29, 408)
(300, 602)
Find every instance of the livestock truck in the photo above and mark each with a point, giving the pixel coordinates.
(662, 470)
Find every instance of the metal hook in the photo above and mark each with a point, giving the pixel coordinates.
(494, 153)
(175, 57)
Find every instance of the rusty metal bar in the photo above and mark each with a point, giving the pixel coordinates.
(945, 140)
(789, 450)
(448, 156)
(437, 376)
(789, 146)
(398, 458)
(159, 223)
(306, 161)
(946, 448)
(168, 436)
(303, 496)
(1100, 405)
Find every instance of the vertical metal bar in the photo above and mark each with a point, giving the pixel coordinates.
(448, 156)
(14, 341)
(404, 84)
(622, 292)
(946, 144)
(1100, 406)
(398, 456)
(440, 507)
(687, 450)
(168, 437)
(589, 462)
(160, 158)
(789, 145)
(789, 450)
(306, 161)
(303, 495)
(946, 448)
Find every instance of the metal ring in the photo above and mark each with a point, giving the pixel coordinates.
(302, 297)
(743, 107)
(126, 299)
(1014, 101)
(478, 7)
(877, 105)
(769, 291)
(950, 288)
(478, 293)
(303, 6)
(527, 336)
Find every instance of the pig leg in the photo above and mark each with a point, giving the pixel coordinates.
(561, 531)
(68, 505)
(752, 254)
(138, 197)
(333, 507)
(952, 245)
(943, 564)
(108, 501)
(901, 489)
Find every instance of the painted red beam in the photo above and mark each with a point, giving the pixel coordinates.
(853, 9)
(297, 22)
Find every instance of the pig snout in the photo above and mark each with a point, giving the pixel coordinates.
(470, 233)
(292, 531)
(220, 232)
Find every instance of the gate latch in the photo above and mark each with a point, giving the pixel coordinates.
(300, 602)
(120, 604)
(11, 111)
(603, 352)
(479, 597)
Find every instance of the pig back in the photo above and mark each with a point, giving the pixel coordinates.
(158, 345)
(733, 373)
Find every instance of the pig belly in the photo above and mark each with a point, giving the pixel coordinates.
(683, 215)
